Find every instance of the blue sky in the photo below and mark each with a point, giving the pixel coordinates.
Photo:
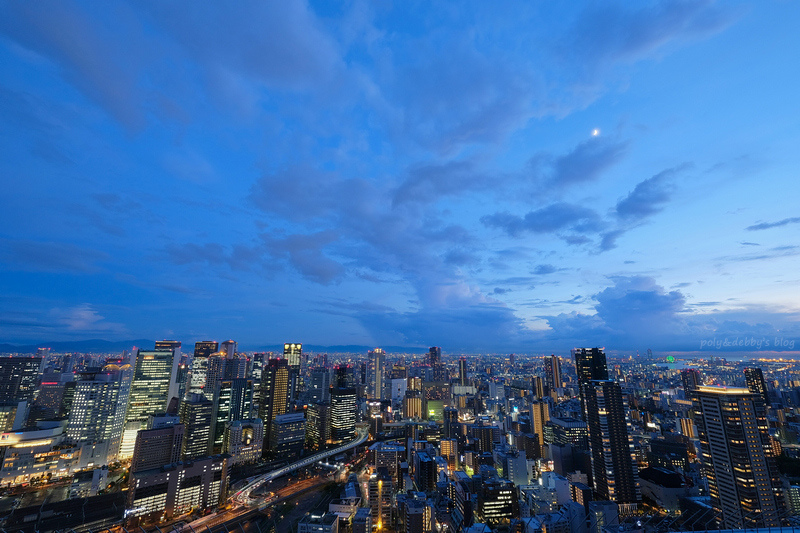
(482, 176)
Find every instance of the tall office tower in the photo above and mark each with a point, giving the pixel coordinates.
(319, 386)
(154, 385)
(462, 371)
(755, 382)
(540, 415)
(343, 414)
(199, 369)
(434, 355)
(293, 353)
(318, 424)
(552, 372)
(175, 346)
(182, 379)
(196, 413)
(228, 348)
(288, 435)
(381, 490)
(537, 386)
(377, 360)
(590, 364)
(158, 446)
(233, 400)
(274, 397)
(343, 377)
(568, 431)
(19, 377)
(737, 458)
(692, 379)
(614, 468)
(97, 414)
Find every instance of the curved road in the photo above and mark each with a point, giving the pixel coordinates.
(242, 496)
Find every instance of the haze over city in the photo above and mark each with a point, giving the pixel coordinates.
(482, 177)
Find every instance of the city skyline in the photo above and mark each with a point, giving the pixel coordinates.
(523, 178)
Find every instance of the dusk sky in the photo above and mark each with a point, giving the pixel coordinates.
(495, 176)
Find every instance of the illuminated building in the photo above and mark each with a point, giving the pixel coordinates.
(425, 474)
(412, 404)
(274, 395)
(497, 501)
(326, 523)
(293, 353)
(233, 400)
(19, 378)
(244, 440)
(319, 386)
(552, 372)
(98, 408)
(381, 489)
(288, 435)
(754, 378)
(418, 517)
(743, 479)
(343, 414)
(158, 446)
(199, 369)
(590, 364)
(196, 414)
(462, 371)
(692, 379)
(377, 360)
(614, 468)
(540, 415)
(318, 424)
(175, 489)
(154, 385)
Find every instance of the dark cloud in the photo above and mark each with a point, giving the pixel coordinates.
(586, 162)
(614, 32)
(649, 196)
(426, 184)
(550, 219)
(306, 254)
(35, 256)
(541, 270)
(768, 225)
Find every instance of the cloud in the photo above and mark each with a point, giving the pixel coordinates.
(541, 270)
(36, 256)
(84, 319)
(305, 253)
(428, 183)
(768, 225)
(613, 32)
(553, 218)
(586, 162)
(649, 196)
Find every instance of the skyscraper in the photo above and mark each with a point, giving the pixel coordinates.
(590, 363)
(293, 353)
(274, 397)
(754, 377)
(692, 379)
(540, 415)
(614, 469)
(552, 372)
(19, 378)
(98, 407)
(377, 359)
(343, 414)
(233, 400)
(462, 371)
(196, 414)
(738, 461)
(199, 369)
(155, 383)
(434, 355)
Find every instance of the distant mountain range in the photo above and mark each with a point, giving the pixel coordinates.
(104, 346)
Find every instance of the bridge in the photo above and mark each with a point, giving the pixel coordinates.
(242, 496)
